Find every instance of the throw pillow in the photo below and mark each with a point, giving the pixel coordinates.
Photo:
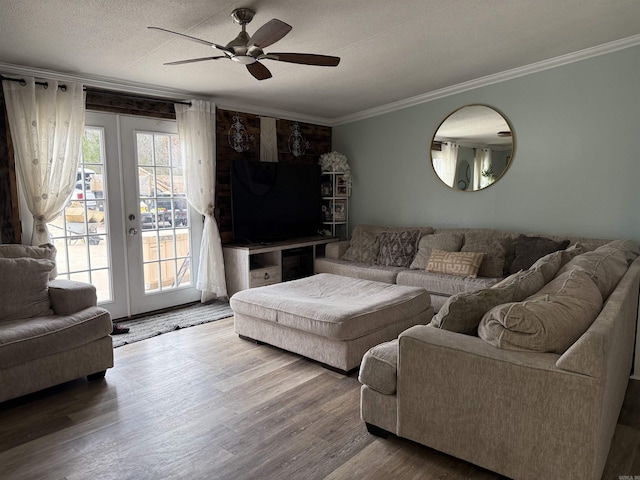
(547, 322)
(527, 282)
(572, 252)
(450, 242)
(461, 264)
(363, 248)
(630, 248)
(463, 311)
(605, 265)
(530, 249)
(548, 265)
(15, 250)
(493, 245)
(397, 249)
(24, 287)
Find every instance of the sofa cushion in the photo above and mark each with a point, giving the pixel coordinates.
(363, 248)
(45, 252)
(572, 252)
(379, 368)
(630, 248)
(397, 249)
(527, 282)
(366, 271)
(24, 340)
(550, 321)
(605, 265)
(548, 265)
(461, 264)
(442, 283)
(529, 249)
(462, 312)
(449, 242)
(24, 284)
(493, 245)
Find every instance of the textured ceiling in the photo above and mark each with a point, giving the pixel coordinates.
(390, 51)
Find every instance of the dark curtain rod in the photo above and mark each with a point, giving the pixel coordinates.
(63, 87)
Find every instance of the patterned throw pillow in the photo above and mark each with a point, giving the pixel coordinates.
(461, 264)
(397, 249)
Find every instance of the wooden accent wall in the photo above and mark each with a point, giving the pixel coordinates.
(316, 140)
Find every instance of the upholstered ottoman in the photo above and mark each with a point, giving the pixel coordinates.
(329, 318)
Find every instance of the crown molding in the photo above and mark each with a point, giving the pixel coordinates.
(184, 95)
(492, 79)
(155, 91)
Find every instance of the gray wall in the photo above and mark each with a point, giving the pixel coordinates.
(576, 168)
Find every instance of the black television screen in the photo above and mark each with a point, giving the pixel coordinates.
(274, 201)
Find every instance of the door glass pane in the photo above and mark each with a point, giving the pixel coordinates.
(81, 233)
(163, 213)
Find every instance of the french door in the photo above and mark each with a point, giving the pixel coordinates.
(128, 228)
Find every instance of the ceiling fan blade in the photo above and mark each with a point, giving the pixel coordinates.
(304, 59)
(269, 33)
(193, 60)
(194, 39)
(259, 71)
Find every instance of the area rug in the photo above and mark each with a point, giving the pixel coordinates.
(153, 325)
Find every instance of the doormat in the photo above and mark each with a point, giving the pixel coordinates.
(157, 324)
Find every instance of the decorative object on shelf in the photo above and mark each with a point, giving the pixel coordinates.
(297, 143)
(335, 162)
(340, 210)
(238, 136)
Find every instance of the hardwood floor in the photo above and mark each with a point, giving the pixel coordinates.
(200, 403)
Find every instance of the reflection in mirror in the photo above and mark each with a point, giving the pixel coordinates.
(472, 148)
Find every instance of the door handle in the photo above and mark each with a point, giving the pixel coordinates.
(133, 231)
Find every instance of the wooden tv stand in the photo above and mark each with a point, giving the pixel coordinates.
(257, 264)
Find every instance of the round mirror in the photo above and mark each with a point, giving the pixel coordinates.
(472, 148)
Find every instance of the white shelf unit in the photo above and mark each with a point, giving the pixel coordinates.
(336, 190)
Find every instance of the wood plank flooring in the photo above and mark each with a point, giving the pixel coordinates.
(200, 403)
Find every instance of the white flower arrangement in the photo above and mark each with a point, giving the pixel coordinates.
(336, 162)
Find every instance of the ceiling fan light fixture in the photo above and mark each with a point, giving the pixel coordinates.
(248, 50)
(244, 59)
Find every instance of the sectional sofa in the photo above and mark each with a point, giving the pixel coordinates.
(359, 257)
(525, 376)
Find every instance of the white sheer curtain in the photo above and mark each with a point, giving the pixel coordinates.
(482, 163)
(196, 128)
(446, 168)
(47, 125)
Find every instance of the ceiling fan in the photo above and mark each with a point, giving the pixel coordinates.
(248, 50)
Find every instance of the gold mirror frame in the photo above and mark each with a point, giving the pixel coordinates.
(460, 136)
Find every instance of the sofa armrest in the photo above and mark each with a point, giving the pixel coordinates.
(335, 250)
(515, 413)
(68, 296)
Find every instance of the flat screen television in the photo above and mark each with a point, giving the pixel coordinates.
(274, 201)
